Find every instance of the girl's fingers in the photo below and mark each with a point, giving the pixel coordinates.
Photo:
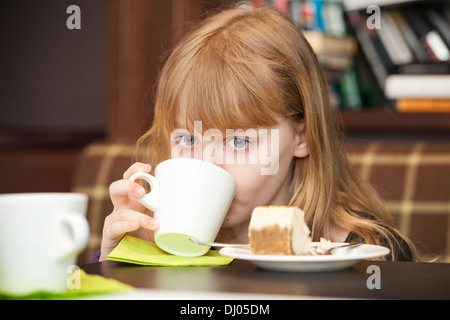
(144, 220)
(117, 229)
(136, 167)
(121, 222)
(136, 219)
(121, 191)
(127, 215)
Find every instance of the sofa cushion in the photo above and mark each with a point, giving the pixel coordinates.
(414, 180)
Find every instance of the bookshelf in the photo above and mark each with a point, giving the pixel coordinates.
(363, 4)
(418, 120)
(136, 33)
(177, 16)
(381, 121)
(380, 111)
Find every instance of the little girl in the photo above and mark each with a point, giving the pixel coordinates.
(250, 69)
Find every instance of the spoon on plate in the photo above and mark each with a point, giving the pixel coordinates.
(314, 250)
(217, 244)
(318, 250)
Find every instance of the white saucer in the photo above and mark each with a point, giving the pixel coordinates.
(340, 259)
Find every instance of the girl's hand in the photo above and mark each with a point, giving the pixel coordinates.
(128, 215)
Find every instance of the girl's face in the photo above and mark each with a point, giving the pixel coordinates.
(258, 159)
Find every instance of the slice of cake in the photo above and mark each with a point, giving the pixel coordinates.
(278, 230)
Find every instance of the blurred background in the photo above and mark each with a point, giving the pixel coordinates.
(62, 89)
(74, 101)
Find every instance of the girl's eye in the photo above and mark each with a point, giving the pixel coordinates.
(238, 143)
(186, 140)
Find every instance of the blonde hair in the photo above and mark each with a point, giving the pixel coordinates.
(247, 67)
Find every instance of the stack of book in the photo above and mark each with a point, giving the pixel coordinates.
(324, 25)
(408, 50)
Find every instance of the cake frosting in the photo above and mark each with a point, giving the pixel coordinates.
(279, 230)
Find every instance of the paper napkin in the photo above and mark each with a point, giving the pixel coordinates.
(88, 286)
(138, 251)
(95, 284)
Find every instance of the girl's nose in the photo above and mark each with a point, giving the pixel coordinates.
(212, 152)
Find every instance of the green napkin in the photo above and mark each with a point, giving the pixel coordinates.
(89, 286)
(138, 251)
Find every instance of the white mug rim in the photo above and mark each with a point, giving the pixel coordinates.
(8, 199)
(202, 162)
(42, 195)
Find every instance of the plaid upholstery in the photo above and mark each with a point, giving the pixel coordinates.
(99, 165)
(414, 178)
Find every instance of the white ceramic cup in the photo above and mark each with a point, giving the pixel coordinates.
(189, 198)
(40, 237)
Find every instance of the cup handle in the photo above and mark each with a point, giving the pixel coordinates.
(149, 200)
(74, 243)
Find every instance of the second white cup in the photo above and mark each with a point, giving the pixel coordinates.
(189, 198)
(40, 237)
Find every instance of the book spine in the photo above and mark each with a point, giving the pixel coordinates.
(324, 43)
(295, 12)
(335, 62)
(281, 5)
(417, 86)
(423, 105)
(363, 4)
(419, 51)
(429, 37)
(350, 95)
(378, 68)
(319, 10)
(333, 14)
(440, 24)
(308, 14)
(392, 40)
(424, 68)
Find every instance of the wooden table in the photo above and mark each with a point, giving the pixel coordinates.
(241, 279)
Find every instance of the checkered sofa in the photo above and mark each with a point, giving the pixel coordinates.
(413, 177)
